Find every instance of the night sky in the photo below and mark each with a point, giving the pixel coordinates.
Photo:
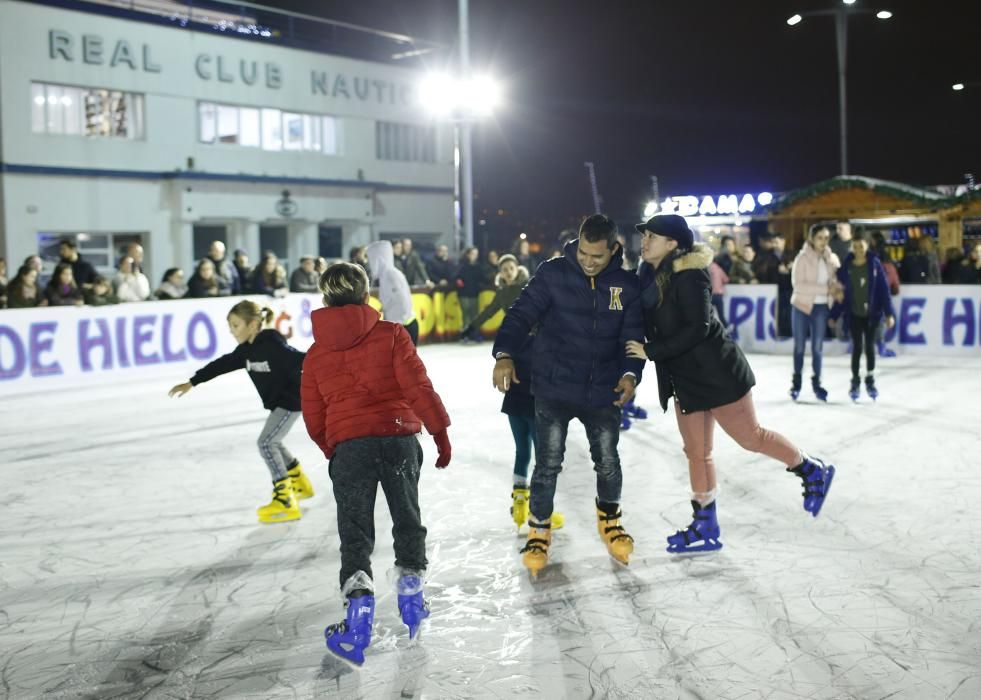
(713, 97)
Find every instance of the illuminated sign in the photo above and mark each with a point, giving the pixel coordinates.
(724, 205)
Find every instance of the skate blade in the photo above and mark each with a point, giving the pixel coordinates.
(354, 663)
(279, 519)
(827, 489)
(706, 548)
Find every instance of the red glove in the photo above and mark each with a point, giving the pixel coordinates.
(443, 446)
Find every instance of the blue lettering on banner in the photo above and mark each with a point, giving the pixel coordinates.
(121, 353)
(952, 320)
(760, 318)
(206, 351)
(740, 311)
(16, 367)
(86, 344)
(306, 326)
(910, 314)
(168, 354)
(42, 345)
(141, 337)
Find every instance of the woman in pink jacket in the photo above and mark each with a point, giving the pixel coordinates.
(813, 279)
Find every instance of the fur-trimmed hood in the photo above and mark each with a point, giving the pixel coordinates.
(698, 258)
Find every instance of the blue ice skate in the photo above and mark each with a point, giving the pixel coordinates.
(853, 389)
(634, 411)
(819, 391)
(625, 421)
(701, 536)
(350, 638)
(870, 387)
(817, 477)
(795, 387)
(412, 606)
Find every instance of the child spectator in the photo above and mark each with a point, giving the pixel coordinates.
(274, 368)
(101, 293)
(172, 285)
(130, 284)
(61, 289)
(365, 396)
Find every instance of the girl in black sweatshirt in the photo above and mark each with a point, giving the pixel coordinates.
(274, 368)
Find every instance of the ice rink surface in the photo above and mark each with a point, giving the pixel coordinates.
(133, 566)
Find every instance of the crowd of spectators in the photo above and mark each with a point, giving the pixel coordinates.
(76, 282)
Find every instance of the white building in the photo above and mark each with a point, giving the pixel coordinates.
(116, 127)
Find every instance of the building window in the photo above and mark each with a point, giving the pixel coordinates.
(405, 142)
(267, 128)
(80, 111)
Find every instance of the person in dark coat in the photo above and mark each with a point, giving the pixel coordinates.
(205, 283)
(442, 269)
(864, 301)
(469, 281)
(82, 271)
(62, 289)
(512, 279)
(586, 307)
(707, 374)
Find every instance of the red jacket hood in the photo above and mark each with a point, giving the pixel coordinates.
(343, 327)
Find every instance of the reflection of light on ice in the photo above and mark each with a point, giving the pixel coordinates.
(135, 560)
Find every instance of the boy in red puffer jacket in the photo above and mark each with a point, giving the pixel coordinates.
(365, 395)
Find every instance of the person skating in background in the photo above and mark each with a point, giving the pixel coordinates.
(518, 404)
(366, 396)
(585, 307)
(813, 279)
(393, 288)
(707, 374)
(274, 368)
(863, 299)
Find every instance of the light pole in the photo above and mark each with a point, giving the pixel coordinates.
(841, 14)
(461, 102)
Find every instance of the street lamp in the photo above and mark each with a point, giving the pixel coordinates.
(461, 102)
(841, 14)
(957, 87)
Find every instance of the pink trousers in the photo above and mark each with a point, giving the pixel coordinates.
(738, 419)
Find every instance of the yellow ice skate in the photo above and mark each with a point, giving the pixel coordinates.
(282, 507)
(535, 550)
(618, 542)
(302, 486)
(521, 509)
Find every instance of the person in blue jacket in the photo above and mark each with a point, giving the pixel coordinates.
(586, 307)
(864, 301)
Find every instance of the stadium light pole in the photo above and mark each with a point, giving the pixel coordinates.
(461, 102)
(841, 14)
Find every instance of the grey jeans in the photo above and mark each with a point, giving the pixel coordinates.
(356, 469)
(270, 442)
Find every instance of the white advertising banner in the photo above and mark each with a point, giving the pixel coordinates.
(60, 347)
(932, 320)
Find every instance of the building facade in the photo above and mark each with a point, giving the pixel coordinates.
(115, 130)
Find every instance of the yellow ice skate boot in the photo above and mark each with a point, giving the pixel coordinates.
(521, 509)
(302, 486)
(618, 542)
(282, 507)
(535, 551)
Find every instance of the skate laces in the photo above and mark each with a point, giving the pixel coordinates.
(812, 486)
(536, 544)
(621, 533)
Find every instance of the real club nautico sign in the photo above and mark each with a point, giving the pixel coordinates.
(119, 53)
(724, 205)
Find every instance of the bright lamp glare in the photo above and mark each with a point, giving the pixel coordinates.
(764, 198)
(883, 14)
(482, 95)
(848, 2)
(523, 236)
(796, 19)
(650, 209)
(438, 93)
(957, 86)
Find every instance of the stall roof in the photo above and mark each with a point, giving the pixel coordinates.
(915, 195)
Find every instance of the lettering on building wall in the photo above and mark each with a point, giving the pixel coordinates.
(94, 51)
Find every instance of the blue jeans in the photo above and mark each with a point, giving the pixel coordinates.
(523, 430)
(552, 425)
(815, 326)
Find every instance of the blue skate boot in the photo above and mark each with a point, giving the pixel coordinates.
(817, 477)
(412, 606)
(625, 421)
(870, 387)
(795, 386)
(350, 638)
(701, 536)
(819, 391)
(853, 389)
(634, 411)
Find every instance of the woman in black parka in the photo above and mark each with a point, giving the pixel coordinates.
(707, 374)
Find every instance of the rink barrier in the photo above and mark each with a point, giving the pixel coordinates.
(68, 346)
(931, 320)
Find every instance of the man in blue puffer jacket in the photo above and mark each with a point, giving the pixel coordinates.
(586, 307)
